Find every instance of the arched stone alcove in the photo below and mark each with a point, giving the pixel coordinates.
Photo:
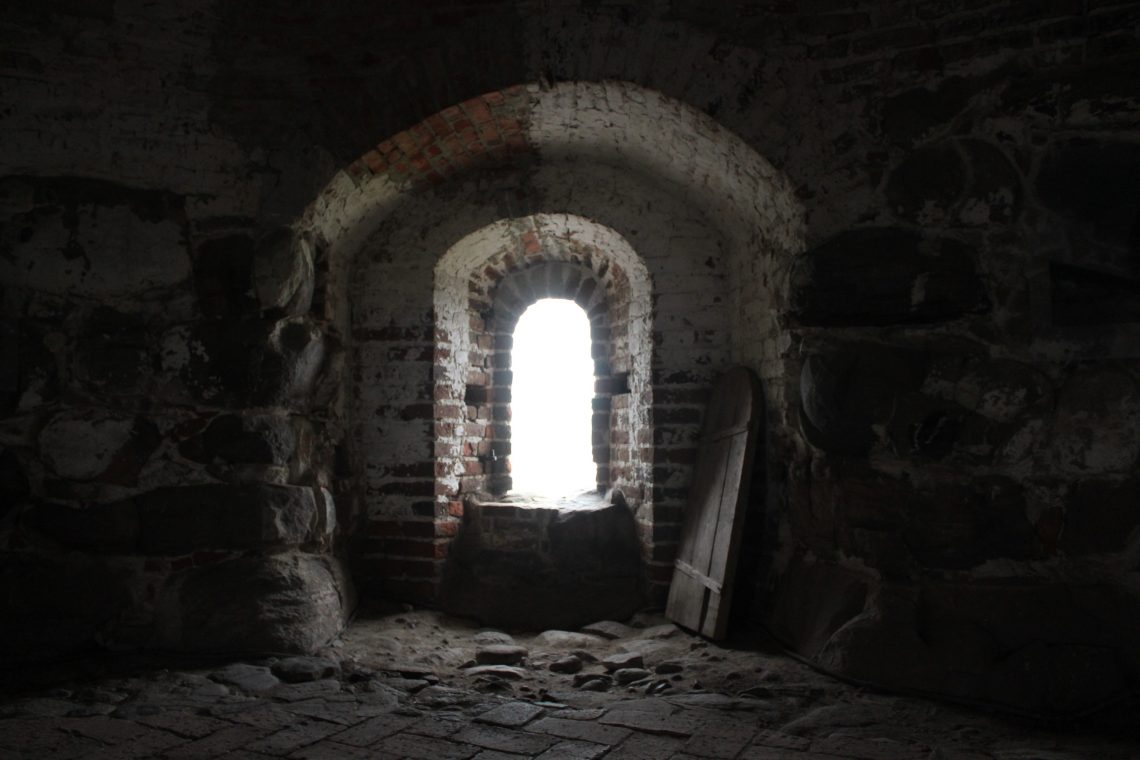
(483, 285)
(539, 565)
(680, 228)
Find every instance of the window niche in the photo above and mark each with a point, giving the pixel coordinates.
(512, 295)
(474, 379)
(547, 561)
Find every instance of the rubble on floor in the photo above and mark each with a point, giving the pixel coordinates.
(419, 684)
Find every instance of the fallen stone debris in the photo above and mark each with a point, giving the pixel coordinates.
(424, 685)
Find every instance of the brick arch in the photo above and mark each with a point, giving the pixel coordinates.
(614, 121)
(716, 228)
(484, 284)
(483, 131)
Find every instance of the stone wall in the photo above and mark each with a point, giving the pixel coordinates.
(168, 468)
(920, 223)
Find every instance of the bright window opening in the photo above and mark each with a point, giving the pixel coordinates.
(551, 394)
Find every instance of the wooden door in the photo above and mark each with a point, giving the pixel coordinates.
(701, 589)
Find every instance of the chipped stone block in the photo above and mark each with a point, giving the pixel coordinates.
(246, 439)
(249, 362)
(245, 677)
(81, 445)
(304, 669)
(178, 520)
(282, 603)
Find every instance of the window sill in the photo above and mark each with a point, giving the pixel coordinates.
(581, 501)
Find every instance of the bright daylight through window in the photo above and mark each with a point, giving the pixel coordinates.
(551, 392)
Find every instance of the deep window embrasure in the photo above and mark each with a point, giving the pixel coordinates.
(552, 394)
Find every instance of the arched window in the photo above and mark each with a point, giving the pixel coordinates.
(551, 396)
(483, 288)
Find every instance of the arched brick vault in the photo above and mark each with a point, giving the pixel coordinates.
(715, 225)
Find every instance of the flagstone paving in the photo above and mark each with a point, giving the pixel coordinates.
(346, 705)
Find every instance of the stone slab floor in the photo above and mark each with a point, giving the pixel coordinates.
(418, 684)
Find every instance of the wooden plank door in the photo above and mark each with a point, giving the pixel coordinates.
(701, 589)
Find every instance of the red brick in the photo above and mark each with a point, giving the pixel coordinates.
(453, 146)
(422, 135)
(375, 162)
(477, 110)
(489, 133)
(439, 125)
(449, 413)
(446, 393)
(405, 143)
(470, 140)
